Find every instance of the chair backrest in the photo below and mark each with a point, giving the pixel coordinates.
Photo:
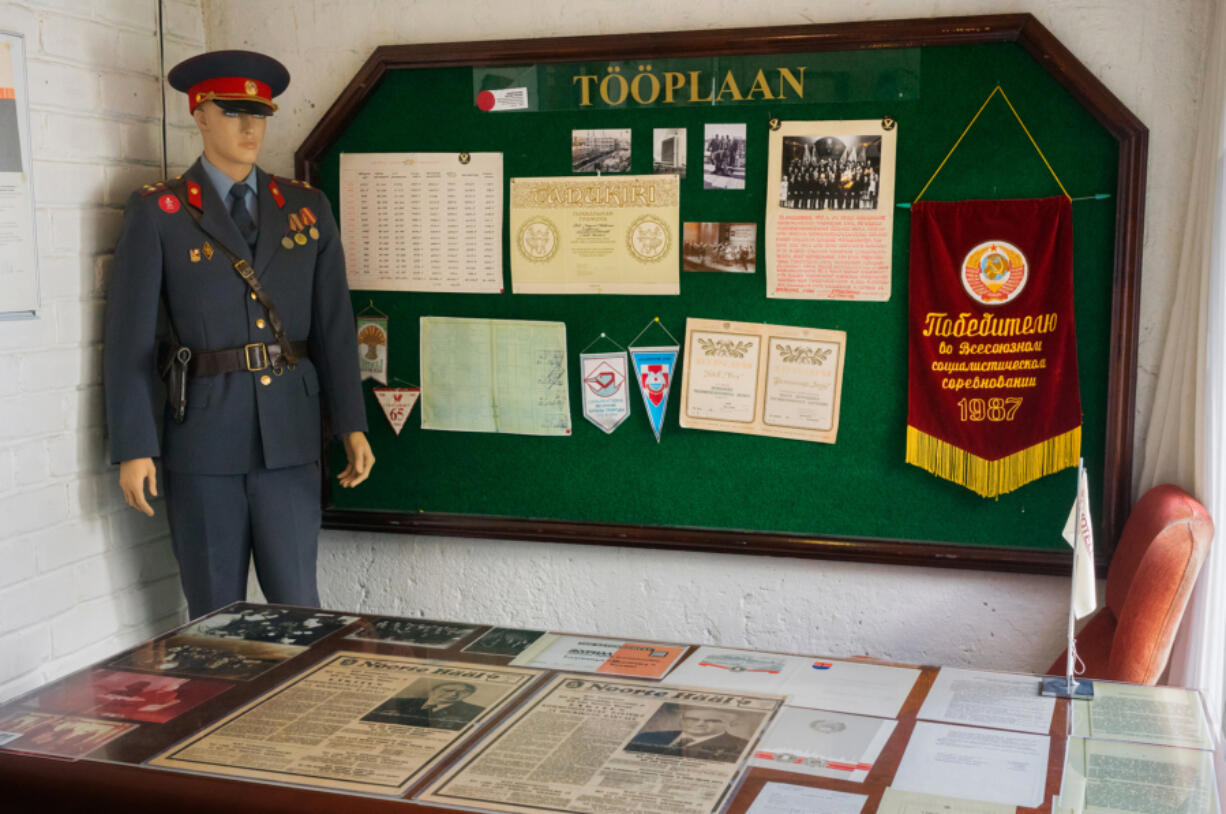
(1150, 579)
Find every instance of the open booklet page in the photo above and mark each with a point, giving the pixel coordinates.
(356, 722)
(772, 380)
(894, 801)
(784, 798)
(1110, 777)
(1127, 712)
(843, 686)
(975, 764)
(823, 744)
(994, 700)
(591, 744)
(494, 375)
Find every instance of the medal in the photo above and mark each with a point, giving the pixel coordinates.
(300, 239)
(208, 250)
(194, 255)
(314, 233)
(294, 223)
(287, 243)
(308, 217)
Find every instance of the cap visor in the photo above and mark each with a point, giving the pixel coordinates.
(245, 106)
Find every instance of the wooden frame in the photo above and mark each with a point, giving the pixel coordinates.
(1023, 29)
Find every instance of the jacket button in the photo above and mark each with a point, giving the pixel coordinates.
(259, 323)
(252, 295)
(266, 380)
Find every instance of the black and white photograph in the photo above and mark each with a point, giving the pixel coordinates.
(600, 150)
(433, 703)
(830, 172)
(207, 657)
(504, 641)
(668, 151)
(420, 632)
(730, 247)
(688, 730)
(723, 157)
(300, 627)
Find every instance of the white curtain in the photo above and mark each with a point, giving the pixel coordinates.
(1184, 440)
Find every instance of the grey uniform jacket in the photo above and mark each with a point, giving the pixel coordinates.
(234, 422)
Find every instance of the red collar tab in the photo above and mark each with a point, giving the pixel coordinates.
(194, 196)
(236, 88)
(276, 193)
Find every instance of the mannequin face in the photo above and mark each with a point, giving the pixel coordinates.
(232, 141)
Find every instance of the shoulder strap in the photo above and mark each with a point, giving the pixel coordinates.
(245, 271)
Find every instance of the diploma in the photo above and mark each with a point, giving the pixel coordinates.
(595, 235)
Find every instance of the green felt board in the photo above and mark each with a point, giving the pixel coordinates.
(859, 487)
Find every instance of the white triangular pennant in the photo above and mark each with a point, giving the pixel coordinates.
(606, 396)
(397, 403)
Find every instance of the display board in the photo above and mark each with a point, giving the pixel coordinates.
(855, 498)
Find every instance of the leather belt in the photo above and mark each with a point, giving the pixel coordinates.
(254, 357)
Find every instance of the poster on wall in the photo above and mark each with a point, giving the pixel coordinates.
(830, 210)
(18, 253)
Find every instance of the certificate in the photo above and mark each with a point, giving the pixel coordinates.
(760, 379)
(494, 375)
(595, 235)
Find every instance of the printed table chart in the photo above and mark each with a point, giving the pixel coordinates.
(122, 735)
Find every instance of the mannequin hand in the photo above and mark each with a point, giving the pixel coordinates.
(132, 477)
(361, 459)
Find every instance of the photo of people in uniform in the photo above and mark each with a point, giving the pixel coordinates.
(429, 702)
(689, 730)
(731, 247)
(294, 626)
(600, 150)
(830, 172)
(421, 632)
(668, 150)
(723, 154)
(504, 641)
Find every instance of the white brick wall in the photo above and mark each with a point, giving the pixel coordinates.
(81, 574)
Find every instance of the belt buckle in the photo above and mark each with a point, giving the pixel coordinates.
(261, 356)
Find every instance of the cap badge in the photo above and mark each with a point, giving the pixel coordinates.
(249, 88)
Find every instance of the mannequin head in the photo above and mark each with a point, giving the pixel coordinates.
(232, 138)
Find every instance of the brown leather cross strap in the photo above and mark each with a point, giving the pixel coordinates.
(288, 349)
(253, 358)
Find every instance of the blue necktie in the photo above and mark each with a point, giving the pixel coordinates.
(241, 216)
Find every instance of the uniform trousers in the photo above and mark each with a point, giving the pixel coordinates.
(218, 522)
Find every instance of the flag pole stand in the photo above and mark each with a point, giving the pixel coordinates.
(1068, 686)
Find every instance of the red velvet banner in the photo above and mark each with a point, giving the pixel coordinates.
(993, 397)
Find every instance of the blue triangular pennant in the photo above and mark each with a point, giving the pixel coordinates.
(654, 369)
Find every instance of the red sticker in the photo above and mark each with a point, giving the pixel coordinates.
(168, 203)
(485, 100)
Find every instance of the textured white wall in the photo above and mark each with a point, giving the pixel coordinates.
(1148, 52)
(81, 575)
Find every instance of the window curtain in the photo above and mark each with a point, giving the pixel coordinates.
(1184, 440)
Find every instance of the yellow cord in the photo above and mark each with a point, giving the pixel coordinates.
(1025, 130)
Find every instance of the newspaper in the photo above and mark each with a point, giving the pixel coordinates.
(356, 722)
(608, 746)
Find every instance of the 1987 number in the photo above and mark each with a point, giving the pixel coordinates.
(994, 409)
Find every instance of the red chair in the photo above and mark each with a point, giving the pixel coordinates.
(1150, 578)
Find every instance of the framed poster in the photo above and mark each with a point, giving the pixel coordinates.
(18, 252)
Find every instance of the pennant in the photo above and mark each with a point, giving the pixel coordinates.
(372, 347)
(654, 368)
(397, 403)
(606, 398)
(993, 400)
(1079, 534)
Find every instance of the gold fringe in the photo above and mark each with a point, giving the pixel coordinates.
(991, 478)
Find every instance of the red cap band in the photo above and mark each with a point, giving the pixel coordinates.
(235, 88)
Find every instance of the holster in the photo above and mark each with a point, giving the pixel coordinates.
(173, 361)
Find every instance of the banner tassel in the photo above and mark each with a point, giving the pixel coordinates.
(992, 478)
